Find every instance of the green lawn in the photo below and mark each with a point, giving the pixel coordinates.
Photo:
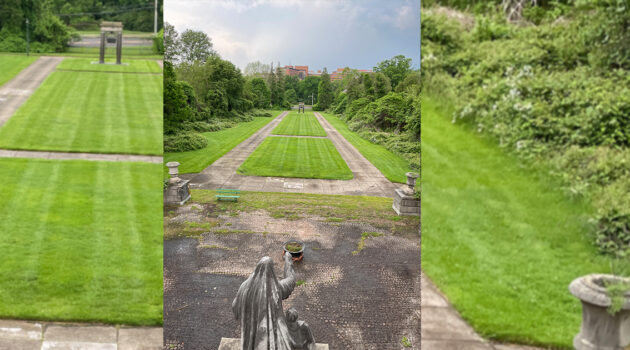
(81, 241)
(303, 124)
(127, 66)
(12, 65)
(90, 112)
(219, 143)
(390, 164)
(499, 239)
(311, 158)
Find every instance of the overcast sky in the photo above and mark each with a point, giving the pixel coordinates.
(317, 33)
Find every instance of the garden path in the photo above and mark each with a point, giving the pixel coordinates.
(17, 90)
(23, 335)
(367, 181)
(80, 156)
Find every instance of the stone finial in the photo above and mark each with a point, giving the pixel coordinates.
(173, 171)
(411, 181)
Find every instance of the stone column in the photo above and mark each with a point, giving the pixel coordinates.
(118, 47)
(101, 57)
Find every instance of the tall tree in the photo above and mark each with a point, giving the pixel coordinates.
(257, 69)
(171, 43)
(277, 92)
(194, 46)
(325, 95)
(382, 86)
(261, 93)
(396, 69)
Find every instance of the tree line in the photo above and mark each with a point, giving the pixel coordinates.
(53, 23)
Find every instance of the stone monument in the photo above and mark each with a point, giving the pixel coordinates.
(258, 308)
(107, 30)
(177, 191)
(301, 107)
(600, 329)
(405, 201)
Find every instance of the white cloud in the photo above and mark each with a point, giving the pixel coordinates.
(331, 33)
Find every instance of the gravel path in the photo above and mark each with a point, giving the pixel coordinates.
(82, 156)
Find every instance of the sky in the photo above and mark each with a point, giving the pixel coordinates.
(318, 33)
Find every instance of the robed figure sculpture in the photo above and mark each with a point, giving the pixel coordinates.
(258, 307)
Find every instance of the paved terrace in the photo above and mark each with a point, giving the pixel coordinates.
(21, 335)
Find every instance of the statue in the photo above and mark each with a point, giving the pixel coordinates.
(258, 307)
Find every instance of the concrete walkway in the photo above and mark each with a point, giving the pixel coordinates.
(4, 153)
(21, 335)
(367, 181)
(17, 90)
(444, 329)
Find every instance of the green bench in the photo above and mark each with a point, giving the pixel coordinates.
(228, 195)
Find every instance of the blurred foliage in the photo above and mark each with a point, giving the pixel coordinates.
(553, 88)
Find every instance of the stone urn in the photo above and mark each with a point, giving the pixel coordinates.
(601, 330)
(411, 181)
(177, 191)
(405, 200)
(296, 255)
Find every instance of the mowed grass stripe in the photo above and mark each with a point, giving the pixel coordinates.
(219, 143)
(299, 124)
(82, 242)
(500, 239)
(310, 158)
(128, 66)
(393, 166)
(90, 112)
(10, 66)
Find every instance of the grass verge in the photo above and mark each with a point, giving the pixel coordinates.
(309, 158)
(499, 239)
(376, 211)
(81, 241)
(90, 112)
(219, 143)
(305, 124)
(12, 65)
(390, 164)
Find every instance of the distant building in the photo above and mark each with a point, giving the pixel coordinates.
(297, 71)
(303, 72)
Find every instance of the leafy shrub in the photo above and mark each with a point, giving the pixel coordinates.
(184, 142)
(487, 28)
(158, 42)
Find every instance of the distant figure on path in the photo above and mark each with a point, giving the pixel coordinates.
(258, 306)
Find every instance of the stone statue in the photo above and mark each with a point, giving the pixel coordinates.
(258, 307)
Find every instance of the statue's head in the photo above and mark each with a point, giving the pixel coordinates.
(291, 315)
(264, 266)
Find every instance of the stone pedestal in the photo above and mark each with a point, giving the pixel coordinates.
(600, 330)
(235, 344)
(177, 193)
(405, 203)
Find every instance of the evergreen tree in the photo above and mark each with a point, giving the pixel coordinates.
(325, 95)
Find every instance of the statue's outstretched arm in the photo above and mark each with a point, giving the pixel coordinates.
(288, 282)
